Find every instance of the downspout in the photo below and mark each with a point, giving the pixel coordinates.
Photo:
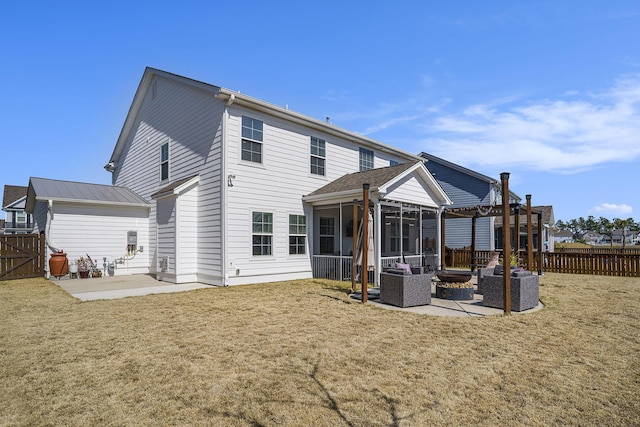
(223, 186)
(48, 227)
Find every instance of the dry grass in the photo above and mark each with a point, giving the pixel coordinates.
(302, 353)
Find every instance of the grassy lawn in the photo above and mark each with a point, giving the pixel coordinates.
(302, 353)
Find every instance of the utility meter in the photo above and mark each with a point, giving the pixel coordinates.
(132, 242)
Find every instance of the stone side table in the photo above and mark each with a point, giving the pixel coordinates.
(524, 292)
(405, 290)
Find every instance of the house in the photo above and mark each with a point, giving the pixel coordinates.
(590, 237)
(563, 236)
(547, 219)
(467, 188)
(17, 221)
(110, 224)
(243, 191)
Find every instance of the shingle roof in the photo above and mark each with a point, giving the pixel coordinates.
(13, 193)
(173, 186)
(51, 189)
(354, 181)
(547, 216)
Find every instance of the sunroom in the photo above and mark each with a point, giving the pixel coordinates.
(404, 207)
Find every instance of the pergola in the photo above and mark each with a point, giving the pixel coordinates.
(504, 210)
(514, 209)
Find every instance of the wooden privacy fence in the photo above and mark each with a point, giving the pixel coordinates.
(606, 264)
(21, 256)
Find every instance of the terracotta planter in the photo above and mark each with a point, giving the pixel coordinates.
(83, 274)
(58, 264)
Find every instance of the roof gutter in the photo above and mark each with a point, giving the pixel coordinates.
(274, 110)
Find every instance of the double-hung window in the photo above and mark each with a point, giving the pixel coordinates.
(262, 233)
(164, 162)
(318, 156)
(327, 235)
(252, 138)
(297, 234)
(366, 159)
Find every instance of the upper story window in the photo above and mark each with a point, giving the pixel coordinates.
(318, 156)
(393, 162)
(252, 136)
(366, 159)
(164, 161)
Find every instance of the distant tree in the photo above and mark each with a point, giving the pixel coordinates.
(606, 227)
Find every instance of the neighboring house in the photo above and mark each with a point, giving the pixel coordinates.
(467, 188)
(548, 234)
(243, 191)
(1, 226)
(563, 236)
(108, 223)
(619, 236)
(17, 221)
(591, 237)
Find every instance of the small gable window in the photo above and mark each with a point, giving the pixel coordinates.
(164, 162)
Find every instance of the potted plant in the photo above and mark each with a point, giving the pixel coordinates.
(83, 267)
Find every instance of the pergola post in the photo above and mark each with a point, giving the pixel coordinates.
(365, 241)
(473, 242)
(355, 245)
(443, 246)
(539, 243)
(506, 221)
(516, 227)
(529, 234)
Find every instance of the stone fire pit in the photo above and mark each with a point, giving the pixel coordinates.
(454, 285)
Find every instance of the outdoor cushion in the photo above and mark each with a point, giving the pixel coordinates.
(405, 267)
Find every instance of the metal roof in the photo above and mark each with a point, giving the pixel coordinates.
(81, 192)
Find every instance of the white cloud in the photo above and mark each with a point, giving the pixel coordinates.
(550, 135)
(621, 210)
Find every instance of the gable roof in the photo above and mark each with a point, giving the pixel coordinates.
(380, 180)
(478, 175)
(80, 192)
(13, 193)
(492, 181)
(176, 187)
(231, 96)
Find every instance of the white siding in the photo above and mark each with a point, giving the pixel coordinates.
(100, 231)
(190, 120)
(277, 186)
(187, 236)
(411, 190)
(166, 239)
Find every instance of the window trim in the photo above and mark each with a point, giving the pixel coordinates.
(164, 162)
(298, 234)
(256, 137)
(362, 151)
(262, 233)
(313, 156)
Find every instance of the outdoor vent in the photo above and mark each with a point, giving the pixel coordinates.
(164, 264)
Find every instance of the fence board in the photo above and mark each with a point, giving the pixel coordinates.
(21, 256)
(595, 262)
